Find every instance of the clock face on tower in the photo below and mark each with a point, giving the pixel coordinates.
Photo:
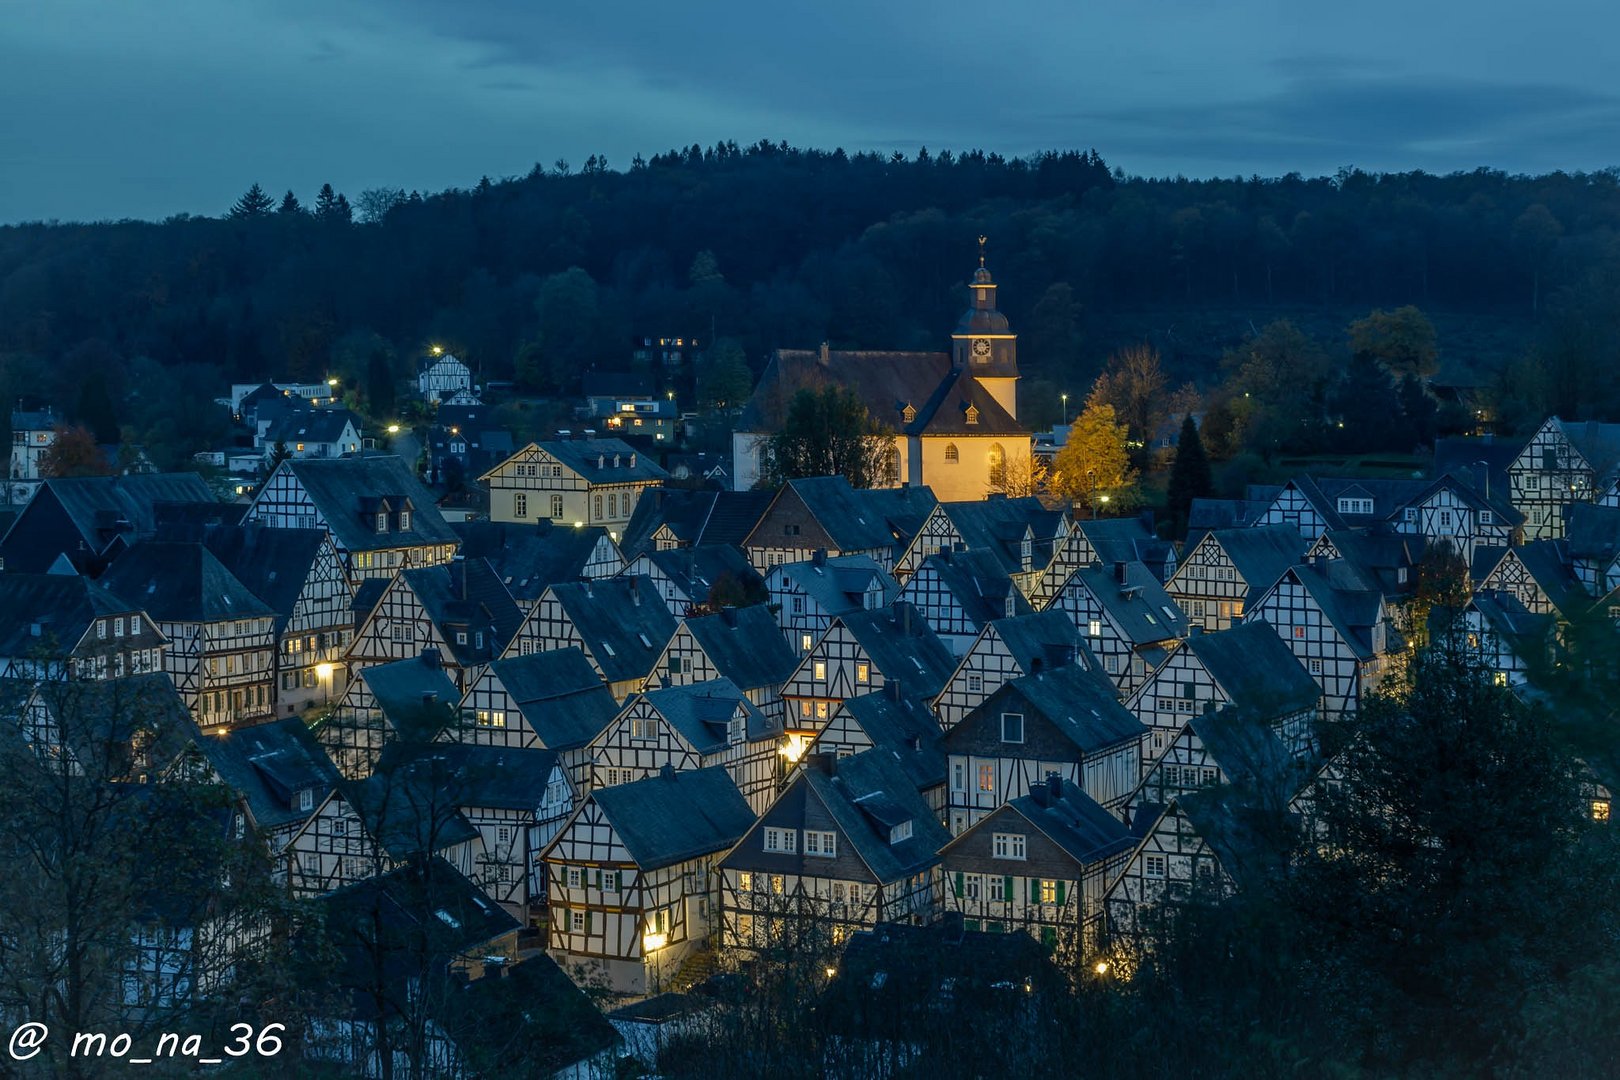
(981, 348)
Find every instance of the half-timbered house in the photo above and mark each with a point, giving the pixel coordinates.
(527, 558)
(699, 726)
(621, 625)
(1593, 536)
(848, 844)
(862, 652)
(1127, 619)
(1247, 667)
(1451, 511)
(667, 518)
(406, 700)
(460, 609)
(129, 729)
(1563, 463)
(572, 481)
(1008, 649)
(554, 700)
(1227, 569)
(1538, 574)
(367, 828)
(298, 575)
(809, 595)
(277, 773)
(90, 519)
(631, 877)
(824, 513)
(1336, 624)
(59, 626)
(1065, 721)
(1099, 542)
(1020, 534)
(382, 520)
(688, 577)
(221, 652)
(959, 592)
(1500, 634)
(1038, 865)
(739, 644)
(1317, 504)
(901, 726)
(1222, 744)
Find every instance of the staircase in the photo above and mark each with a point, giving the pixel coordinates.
(693, 970)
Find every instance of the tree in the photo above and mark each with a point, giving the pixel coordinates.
(332, 207)
(1134, 384)
(74, 452)
(1095, 463)
(1419, 410)
(567, 309)
(254, 203)
(380, 384)
(1190, 476)
(724, 380)
(95, 409)
(373, 204)
(1402, 340)
(828, 432)
(290, 205)
(1274, 395)
(1535, 235)
(1019, 474)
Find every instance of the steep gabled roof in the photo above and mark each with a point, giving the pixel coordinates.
(1260, 554)
(1258, 671)
(527, 557)
(273, 564)
(310, 425)
(1598, 443)
(1073, 820)
(745, 645)
(694, 570)
(1346, 600)
(839, 584)
(416, 696)
(559, 694)
(60, 606)
(1046, 639)
(1246, 746)
(1593, 531)
(1144, 612)
(340, 486)
(902, 646)
(474, 774)
(849, 520)
(268, 764)
(902, 726)
(409, 812)
(465, 596)
(176, 581)
(702, 713)
(672, 816)
(979, 583)
(869, 794)
(621, 621)
(600, 461)
(998, 526)
(1079, 704)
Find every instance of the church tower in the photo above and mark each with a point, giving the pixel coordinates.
(983, 345)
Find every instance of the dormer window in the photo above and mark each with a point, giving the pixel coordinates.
(382, 522)
(972, 414)
(306, 800)
(404, 520)
(900, 832)
(908, 414)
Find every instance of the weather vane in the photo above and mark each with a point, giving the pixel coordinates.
(982, 241)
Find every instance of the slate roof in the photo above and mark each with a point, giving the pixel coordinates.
(621, 621)
(409, 812)
(702, 712)
(1260, 554)
(1467, 486)
(416, 696)
(340, 487)
(1047, 639)
(268, 764)
(695, 517)
(605, 461)
(1593, 532)
(1462, 457)
(694, 570)
(33, 420)
(854, 522)
(1599, 443)
(1549, 564)
(1246, 746)
(102, 508)
(1346, 601)
(902, 726)
(839, 584)
(745, 645)
(903, 510)
(62, 606)
(672, 816)
(465, 596)
(998, 525)
(1388, 496)
(310, 426)
(1074, 821)
(1528, 634)
(526, 557)
(902, 646)
(176, 581)
(1144, 611)
(528, 1019)
(387, 931)
(559, 694)
(1257, 669)
(273, 564)
(474, 774)
(1247, 825)
(886, 382)
(979, 582)
(867, 795)
(96, 715)
(1079, 704)
(1377, 555)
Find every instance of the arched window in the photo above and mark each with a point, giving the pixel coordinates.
(951, 454)
(997, 456)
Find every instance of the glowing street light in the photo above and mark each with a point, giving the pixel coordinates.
(438, 350)
(1065, 398)
(332, 383)
(393, 429)
(1101, 968)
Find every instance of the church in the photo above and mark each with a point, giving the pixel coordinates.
(955, 414)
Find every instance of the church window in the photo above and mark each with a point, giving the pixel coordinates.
(952, 455)
(997, 456)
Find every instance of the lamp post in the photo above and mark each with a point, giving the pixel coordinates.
(1065, 398)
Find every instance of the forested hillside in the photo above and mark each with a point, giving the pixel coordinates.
(135, 324)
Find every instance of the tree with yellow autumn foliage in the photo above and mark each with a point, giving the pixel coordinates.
(1094, 467)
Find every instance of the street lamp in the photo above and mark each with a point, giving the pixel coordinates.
(1065, 398)
(393, 429)
(323, 672)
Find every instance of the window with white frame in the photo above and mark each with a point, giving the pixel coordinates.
(1012, 727)
(785, 841)
(820, 669)
(1153, 866)
(987, 778)
(975, 684)
(822, 844)
(1007, 845)
(972, 886)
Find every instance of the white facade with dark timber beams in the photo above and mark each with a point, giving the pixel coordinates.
(1564, 462)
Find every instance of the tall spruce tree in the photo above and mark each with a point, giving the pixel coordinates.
(254, 203)
(290, 204)
(326, 203)
(1189, 476)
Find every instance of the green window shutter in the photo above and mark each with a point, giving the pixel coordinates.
(587, 920)
(971, 925)
(959, 884)
(1033, 896)
(1060, 885)
(1007, 889)
(598, 876)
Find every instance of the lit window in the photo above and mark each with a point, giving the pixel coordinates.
(863, 673)
(1048, 892)
(1094, 627)
(1600, 809)
(1299, 633)
(804, 642)
(987, 778)
(820, 669)
(952, 456)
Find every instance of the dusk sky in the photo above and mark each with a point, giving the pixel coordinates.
(166, 106)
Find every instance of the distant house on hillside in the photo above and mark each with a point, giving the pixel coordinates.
(441, 377)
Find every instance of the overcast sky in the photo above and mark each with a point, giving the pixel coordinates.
(116, 109)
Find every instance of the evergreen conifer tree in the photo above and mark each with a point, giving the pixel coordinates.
(253, 203)
(1189, 476)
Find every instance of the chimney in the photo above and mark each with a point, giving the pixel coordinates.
(1194, 629)
(1320, 562)
(1119, 572)
(893, 686)
(635, 592)
(914, 741)
(667, 771)
(1054, 785)
(729, 614)
(818, 557)
(430, 658)
(905, 617)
